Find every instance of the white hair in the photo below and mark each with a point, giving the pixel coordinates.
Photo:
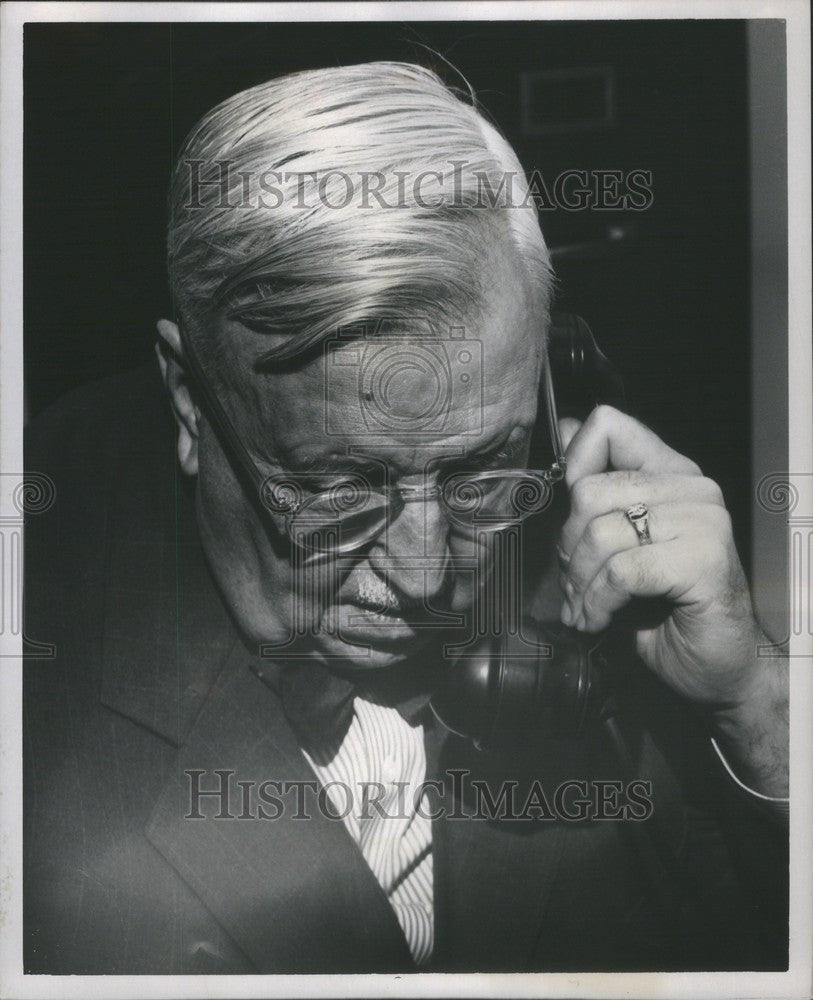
(277, 239)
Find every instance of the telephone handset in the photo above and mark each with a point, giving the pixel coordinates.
(583, 377)
(499, 695)
(548, 681)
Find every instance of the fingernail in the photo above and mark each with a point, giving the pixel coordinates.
(567, 614)
(580, 623)
(564, 558)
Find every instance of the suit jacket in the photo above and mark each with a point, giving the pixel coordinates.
(150, 681)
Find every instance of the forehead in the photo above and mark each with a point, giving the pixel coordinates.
(414, 391)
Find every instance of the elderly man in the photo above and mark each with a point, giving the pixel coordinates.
(234, 765)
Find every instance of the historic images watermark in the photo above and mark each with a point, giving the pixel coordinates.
(217, 184)
(219, 795)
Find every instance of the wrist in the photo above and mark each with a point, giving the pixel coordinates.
(752, 729)
(761, 686)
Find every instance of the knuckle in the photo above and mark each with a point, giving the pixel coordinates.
(604, 415)
(582, 494)
(567, 544)
(593, 535)
(712, 490)
(572, 571)
(711, 538)
(578, 497)
(590, 602)
(720, 546)
(616, 572)
(717, 554)
(635, 479)
(691, 467)
(721, 520)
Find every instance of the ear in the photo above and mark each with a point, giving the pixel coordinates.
(169, 351)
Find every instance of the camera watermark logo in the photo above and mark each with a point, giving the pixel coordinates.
(21, 496)
(791, 494)
(448, 555)
(402, 384)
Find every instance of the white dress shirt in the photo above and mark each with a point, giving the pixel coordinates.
(382, 749)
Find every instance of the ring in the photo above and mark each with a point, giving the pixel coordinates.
(638, 517)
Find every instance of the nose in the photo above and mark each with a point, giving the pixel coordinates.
(412, 555)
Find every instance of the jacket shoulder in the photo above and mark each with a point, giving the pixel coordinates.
(89, 426)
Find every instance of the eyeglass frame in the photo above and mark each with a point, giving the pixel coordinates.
(240, 457)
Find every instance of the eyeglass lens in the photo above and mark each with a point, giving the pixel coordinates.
(349, 515)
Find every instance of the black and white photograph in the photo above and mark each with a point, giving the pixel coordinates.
(406, 500)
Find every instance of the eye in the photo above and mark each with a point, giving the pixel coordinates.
(363, 479)
(346, 496)
(374, 476)
(499, 459)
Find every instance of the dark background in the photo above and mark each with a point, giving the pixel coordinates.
(107, 106)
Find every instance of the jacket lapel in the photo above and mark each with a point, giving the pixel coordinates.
(294, 893)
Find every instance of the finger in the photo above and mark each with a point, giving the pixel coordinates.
(568, 426)
(679, 571)
(609, 439)
(669, 570)
(609, 534)
(597, 495)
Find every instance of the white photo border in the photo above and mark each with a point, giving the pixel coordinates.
(796, 982)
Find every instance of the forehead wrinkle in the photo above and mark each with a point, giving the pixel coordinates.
(280, 411)
(408, 459)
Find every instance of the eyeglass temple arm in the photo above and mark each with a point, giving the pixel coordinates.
(223, 426)
(560, 462)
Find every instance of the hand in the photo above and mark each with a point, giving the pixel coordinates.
(705, 645)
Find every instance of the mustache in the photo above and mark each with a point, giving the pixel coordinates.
(375, 593)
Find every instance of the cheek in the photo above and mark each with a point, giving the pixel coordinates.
(245, 555)
(223, 498)
(473, 564)
(221, 501)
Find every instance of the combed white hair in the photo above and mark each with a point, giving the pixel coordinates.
(280, 243)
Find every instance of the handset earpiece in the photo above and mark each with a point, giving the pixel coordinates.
(582, 378)
(582, 374)
(547, 683)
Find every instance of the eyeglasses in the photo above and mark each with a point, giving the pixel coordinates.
(351, 512)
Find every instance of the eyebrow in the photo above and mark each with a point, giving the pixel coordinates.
(332, 463)
(512, 444)
(354, 463)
